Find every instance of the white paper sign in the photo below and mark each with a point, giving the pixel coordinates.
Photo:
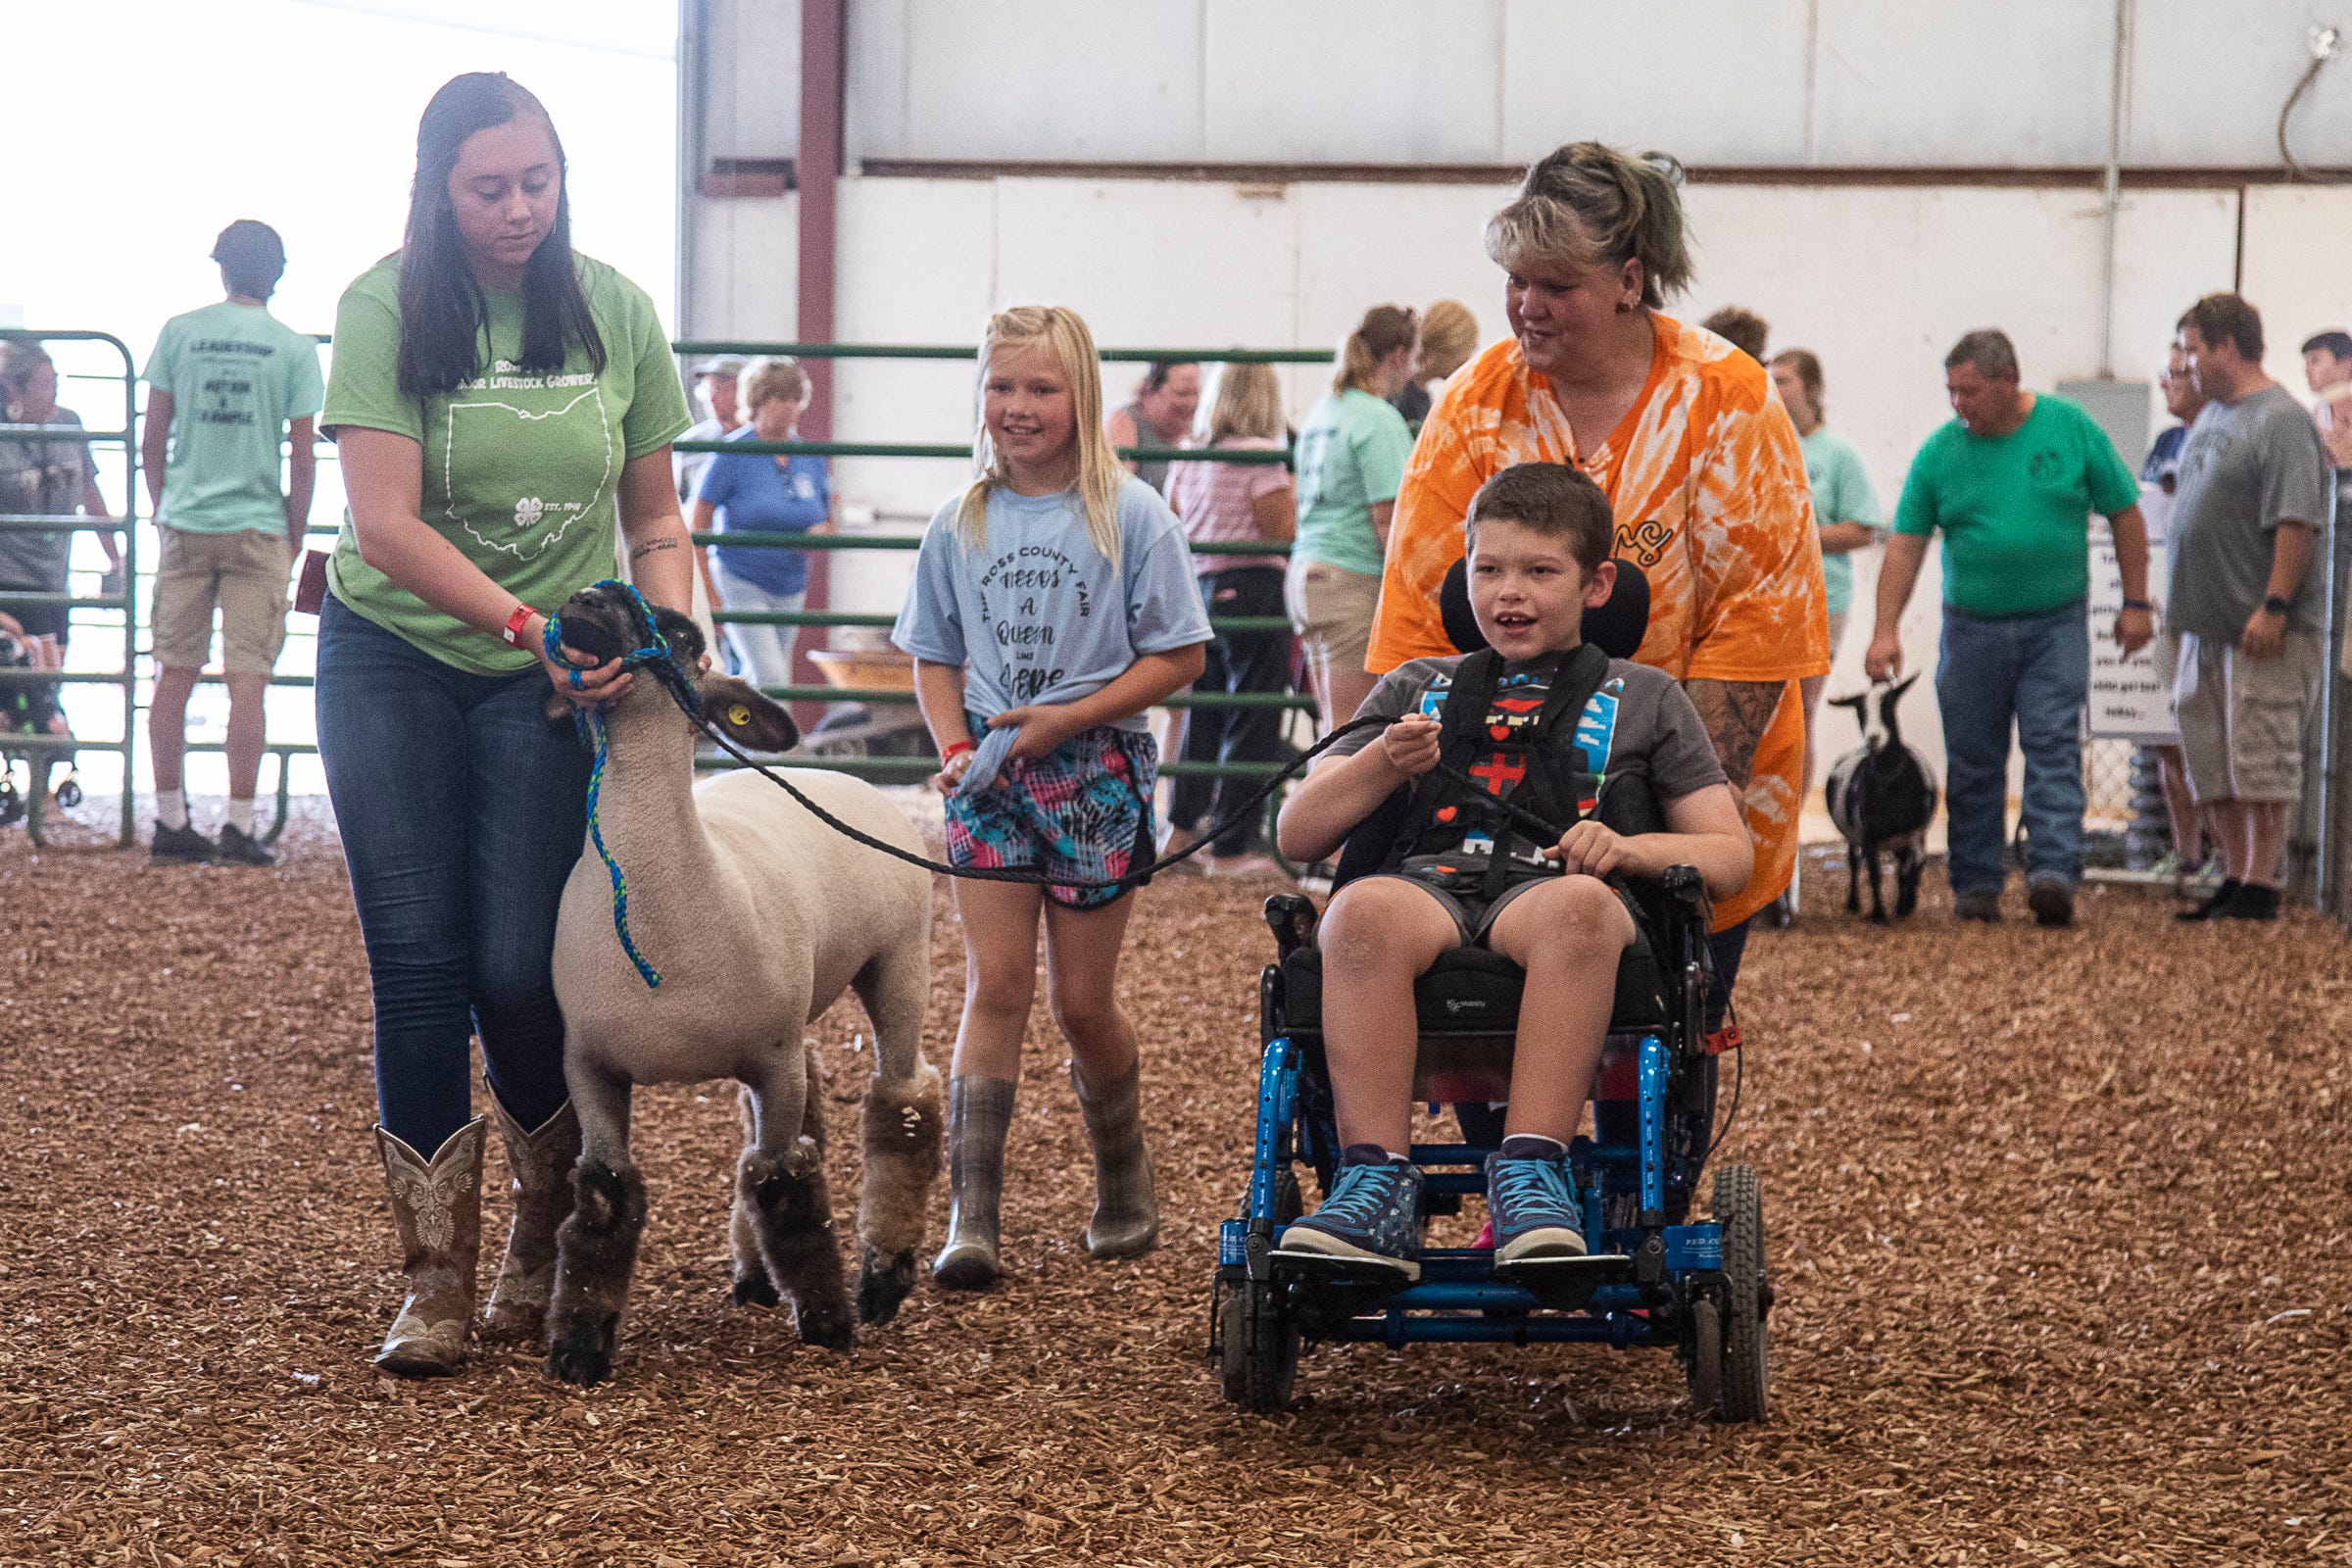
(2128, 702)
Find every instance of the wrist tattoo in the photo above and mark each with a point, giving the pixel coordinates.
(1736, 713)
(652, 545)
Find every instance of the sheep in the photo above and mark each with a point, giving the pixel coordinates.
(1882, 796)
(756, 917)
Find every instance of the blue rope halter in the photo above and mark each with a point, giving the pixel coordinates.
(653, 649)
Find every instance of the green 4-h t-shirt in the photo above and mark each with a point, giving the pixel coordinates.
(2015, 509)
(520, 470)
(237, 376)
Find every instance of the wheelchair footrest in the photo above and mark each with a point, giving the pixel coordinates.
(1326, 1294)
(1566, 1284)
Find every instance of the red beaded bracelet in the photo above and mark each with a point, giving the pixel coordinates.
(955, 749)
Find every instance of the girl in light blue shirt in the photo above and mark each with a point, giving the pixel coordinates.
(1053, 601)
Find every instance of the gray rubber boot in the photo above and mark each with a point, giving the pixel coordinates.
(1126, 1218)
(979, 1110)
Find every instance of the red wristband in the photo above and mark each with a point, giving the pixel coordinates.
(514, 625)
(956, 750)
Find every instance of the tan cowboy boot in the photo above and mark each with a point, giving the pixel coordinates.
(541, 1162)
(437, 1206)
(1126, 1218)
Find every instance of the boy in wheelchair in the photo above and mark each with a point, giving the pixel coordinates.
(1455, 858)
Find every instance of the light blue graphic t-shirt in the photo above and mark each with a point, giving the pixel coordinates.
(1038, 614)
(236, 377)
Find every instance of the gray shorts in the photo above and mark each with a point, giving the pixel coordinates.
(1474, 915)
(2242, 720)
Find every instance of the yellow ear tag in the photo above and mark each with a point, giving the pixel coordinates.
(739, 715)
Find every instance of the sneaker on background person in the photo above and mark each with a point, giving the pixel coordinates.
(1978, 903)
(182, 844)
(2052, 901)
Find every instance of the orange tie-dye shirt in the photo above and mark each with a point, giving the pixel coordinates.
(1708, 487)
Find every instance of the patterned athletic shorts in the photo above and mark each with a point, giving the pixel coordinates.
(1082, 812)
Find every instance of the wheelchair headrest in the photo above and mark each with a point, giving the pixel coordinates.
(1616, 628)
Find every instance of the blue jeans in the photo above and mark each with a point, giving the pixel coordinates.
(763, 653)
(462, 808)
(2032, 670)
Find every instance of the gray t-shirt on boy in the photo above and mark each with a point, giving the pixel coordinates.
(1639, 723)
(1038, 614)
(2244, 467)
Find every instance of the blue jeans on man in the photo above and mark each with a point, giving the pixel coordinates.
(2034, 671)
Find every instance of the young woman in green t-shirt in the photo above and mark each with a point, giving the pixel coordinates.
(499, 403)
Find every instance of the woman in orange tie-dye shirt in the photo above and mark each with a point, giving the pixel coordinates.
(1680, 430)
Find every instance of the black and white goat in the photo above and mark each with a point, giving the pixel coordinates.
(1881, 797)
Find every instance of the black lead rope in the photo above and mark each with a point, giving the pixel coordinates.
(1133, 879)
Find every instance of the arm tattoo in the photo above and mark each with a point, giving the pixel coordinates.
(652, 545)
(1737, 714)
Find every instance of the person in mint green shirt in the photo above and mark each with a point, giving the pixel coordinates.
(226, 387)
(2011, 484)
(1351, 451)
(500, 403)
(1846, 510)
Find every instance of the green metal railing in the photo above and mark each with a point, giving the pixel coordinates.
(915, 767)
(40, 751)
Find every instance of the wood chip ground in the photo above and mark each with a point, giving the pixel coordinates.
(2058, 1219)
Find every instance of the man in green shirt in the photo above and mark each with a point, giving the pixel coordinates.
(2011, 483)
(225, 387)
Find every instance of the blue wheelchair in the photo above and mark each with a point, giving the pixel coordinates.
(1656, 1276)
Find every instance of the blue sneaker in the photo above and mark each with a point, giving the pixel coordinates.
(1372, 1216)
(1531, 1203)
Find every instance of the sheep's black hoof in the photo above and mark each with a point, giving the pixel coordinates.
(825, 1329)
(756, 1289)
(582, 1351)
(883, 1283)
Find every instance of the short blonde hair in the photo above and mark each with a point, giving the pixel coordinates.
(1099, 475)
(1248, 404)
(771, 375)
(1448, 337)
(1588, 204)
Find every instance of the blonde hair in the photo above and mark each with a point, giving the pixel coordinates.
(1590, 205)
(1448, 337)
(771, 375)
(1249, 404)
(1062, 331)
(1384, 330)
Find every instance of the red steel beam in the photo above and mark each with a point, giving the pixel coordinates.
(819, 170)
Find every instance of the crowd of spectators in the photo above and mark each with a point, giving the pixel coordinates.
(2008, 485)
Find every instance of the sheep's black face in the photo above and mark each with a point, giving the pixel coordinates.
(601, 624)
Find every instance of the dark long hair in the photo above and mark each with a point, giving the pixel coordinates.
(444, 321)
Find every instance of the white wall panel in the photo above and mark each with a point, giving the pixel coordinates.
(1995, 81)
(1027, 80)
(2208, 82)
(1721, 81)
(751, 90)
(2293, 235)
(1352, 81)
(746, 279)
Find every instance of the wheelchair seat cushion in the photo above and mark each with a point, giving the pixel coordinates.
(1472, 991)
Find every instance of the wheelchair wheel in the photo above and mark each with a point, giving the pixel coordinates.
(1260, 1348)
(1747, 1344)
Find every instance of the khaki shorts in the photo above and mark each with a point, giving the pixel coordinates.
(2242, 720)
(245, 574)
(1332, 607)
